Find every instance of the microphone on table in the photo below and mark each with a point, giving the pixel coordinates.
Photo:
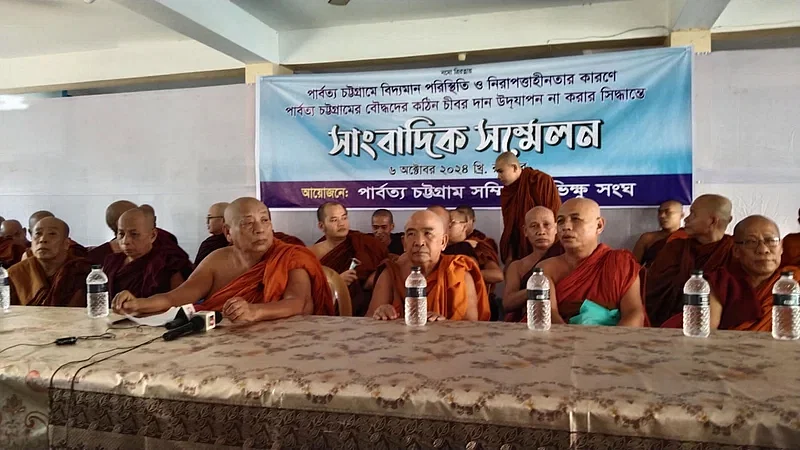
(182, 317)
(199, 323)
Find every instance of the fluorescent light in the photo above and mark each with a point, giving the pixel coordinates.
(12, 103)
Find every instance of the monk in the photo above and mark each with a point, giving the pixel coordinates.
(456, 290)
(488, 259)
(523, 189)
(590, 271)
(540, 230)
(74, 248)
(707, 248)
(474, 235)
(382, 227)
(741, 294)
(341, 246)
(98, 254)
(452, 248)
(52, 276)
(670, 214)
(143, 268)
(214, 223)
(791, 248)
(256, 278)
(163, 235)
(12, 242)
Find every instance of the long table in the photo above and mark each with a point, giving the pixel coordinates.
(334, 382)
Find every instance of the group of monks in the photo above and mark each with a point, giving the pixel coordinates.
(250, 272)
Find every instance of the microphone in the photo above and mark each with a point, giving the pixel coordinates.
(182, 317)
(199, 323)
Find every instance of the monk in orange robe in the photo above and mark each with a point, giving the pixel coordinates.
(382, 227)
(474, 234)
(708, 248)
(540, 230)
(256, 278)
(523, 189)
(12, 242)
(52, 277)
(670, 214)
(791, 248)
(590, 271)
(455, 291)
(341, 246)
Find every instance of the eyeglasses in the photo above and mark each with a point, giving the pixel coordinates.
(209, 218)
(753, 244)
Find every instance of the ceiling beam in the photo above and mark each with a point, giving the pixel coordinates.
(695, 14)
(221, 25)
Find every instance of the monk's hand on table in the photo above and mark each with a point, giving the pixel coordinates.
(237, 310)
(126, 303)
(434, 317)
(349, 276)
(385, 312)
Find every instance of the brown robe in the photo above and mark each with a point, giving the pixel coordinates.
(367, 249)
(288, 238)
(30, 285)
(148, 275)
(673, 266)
(477, 235)
(10, 252)
(791, 250)
(209, 245)
(516, 315)
(533, 188)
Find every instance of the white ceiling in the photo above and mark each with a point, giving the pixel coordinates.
(283, 15)
(43, 27)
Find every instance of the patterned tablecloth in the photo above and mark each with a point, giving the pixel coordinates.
(329, 382)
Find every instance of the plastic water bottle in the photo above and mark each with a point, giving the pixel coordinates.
(416, 308)
(5, 290)
(538, 301)
(786, 308)
(696, 312)
(97, 293)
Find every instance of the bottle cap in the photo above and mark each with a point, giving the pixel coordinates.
(697, 272)
(788, 273)
(538, 271)
(416, 269)
(95, 266)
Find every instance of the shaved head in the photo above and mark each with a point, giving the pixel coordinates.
(470, 213)
(540, 227)
(458, 226)
(248, 225)
(670, 214)
(241, 206)
(36, 217)
(218, 209)
(216, 217)
(443, 214)
(13, 229)
(383, 213)
(383, 225)
(751, 222)
(115, 210)
(758, 246)
(136, 233)
(137, 214)
(709, 216)
(579, 225)
(425, 238)
(508, 168)
(50, 240)
(506, 158)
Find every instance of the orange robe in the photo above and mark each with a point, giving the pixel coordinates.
(10, 252)
(604, 278)
(791, 250)
(266, 281)
(288, 238)
(367, 249)
(30, 285)
(673, 266)
(447, 292)
(533, 188)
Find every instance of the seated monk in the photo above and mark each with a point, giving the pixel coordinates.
(162, 234)
(452, 248)
(75, 249)
(214, 222)
(473, 234)
(456, 290)
(590, 271)
(341, 245)
(256, 278)
(523, 189)
(52, 276)
(382, 227)
(791, 248)
(487, 257)
(741, 294)
(12, 242)
(98, 254)
(143, 268)
(540, 230)
(708, 248)
(670, 214)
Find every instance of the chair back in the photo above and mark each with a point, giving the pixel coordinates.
(340, 292)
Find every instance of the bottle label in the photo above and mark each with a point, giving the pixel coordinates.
(4, 281)
(786, 299)
(417, 292)
(97, 288)
(695, 299)
(539, 294)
